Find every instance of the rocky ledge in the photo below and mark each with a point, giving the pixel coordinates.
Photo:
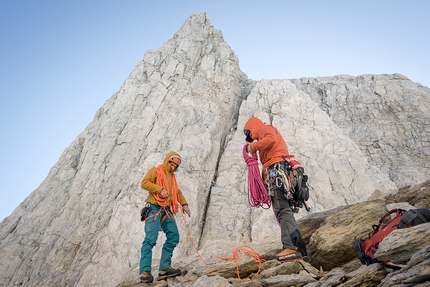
(329, 236)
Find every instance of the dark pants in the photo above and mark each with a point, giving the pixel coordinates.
(290, 234)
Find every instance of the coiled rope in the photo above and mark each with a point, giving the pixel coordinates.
(173, 206)
(161, 180)
(248, 250)
(257, 193)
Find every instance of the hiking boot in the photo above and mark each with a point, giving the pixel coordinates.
(288, 255)
(169, 272)
(146, 277)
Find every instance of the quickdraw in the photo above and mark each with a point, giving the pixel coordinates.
(286, 182)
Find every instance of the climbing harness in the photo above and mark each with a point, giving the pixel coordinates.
(292, 180)
(257, 193)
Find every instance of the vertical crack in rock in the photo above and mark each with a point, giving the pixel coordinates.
(13, 227)
(225, 152)
(226, 136)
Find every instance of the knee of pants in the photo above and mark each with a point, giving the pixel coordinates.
(172, 236)
(172, 233)
(149, 241)
(174, 239)
(285, 212)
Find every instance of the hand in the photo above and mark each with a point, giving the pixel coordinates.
(249, 149)
(186, 210)
(164, 193)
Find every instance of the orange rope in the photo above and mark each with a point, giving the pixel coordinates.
(161, 201)
(174, 207)
(248, 250)
(191, 238)
(162, 181)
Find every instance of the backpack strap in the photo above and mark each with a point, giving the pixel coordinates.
(420, 216)
(382, 223)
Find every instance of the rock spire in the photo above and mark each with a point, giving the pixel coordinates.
(81, 226)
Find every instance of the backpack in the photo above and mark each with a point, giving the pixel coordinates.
(394, 219)
(290, 175)
(299, 188)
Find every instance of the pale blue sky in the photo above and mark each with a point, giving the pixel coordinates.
(61, 60)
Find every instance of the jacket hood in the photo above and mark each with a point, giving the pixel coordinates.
(169, 156)
(254, 125)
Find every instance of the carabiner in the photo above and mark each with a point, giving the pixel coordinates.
(278, 182)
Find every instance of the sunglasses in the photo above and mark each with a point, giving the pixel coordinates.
(247, 132)
(174, 165)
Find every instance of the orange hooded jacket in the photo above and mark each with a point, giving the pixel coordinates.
(270, 144)
(150, 179)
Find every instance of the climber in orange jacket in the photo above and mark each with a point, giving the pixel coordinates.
(164, 199)
(273, 152)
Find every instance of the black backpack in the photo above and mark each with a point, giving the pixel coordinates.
(299, 190)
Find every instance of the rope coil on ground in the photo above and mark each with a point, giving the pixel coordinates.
(257, 193)
(248, 250)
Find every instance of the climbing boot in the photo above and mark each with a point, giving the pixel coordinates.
(169, 272)
(288, 255)
(146, 277)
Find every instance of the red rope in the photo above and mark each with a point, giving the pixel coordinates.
(257, 193)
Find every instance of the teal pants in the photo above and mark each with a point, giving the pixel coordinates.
(152, 226)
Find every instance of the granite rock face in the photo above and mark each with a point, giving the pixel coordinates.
(353, 135)
(385, 115)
